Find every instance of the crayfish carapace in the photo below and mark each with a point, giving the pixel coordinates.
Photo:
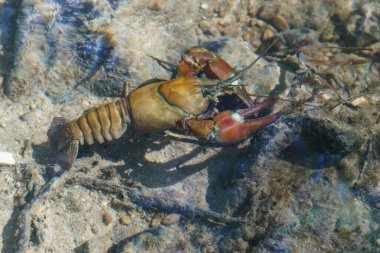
(182, 102)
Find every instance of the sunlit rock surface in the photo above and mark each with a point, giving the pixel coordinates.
(307, 183)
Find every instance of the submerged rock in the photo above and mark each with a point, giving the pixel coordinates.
(307, 183)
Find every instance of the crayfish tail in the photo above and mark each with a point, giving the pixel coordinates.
(62, 143)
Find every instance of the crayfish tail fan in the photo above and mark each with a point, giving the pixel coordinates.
(61, 142)
(67, 154)
(57, 126)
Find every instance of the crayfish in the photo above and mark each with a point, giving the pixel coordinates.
(181, 104)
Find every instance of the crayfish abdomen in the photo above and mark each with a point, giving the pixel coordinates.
(106, 122)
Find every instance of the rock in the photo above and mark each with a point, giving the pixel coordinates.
(7, 158)
(289, 185)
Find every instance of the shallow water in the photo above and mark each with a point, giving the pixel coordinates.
(307, 183)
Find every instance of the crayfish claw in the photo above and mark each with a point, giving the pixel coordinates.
(232, 128)
(229, 128)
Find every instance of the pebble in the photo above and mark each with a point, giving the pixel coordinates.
(157, 5)
(95, 229)
(326, 96)
(204, 6)
(267, 34)
(207, 28)
(280, 23)
(85, 103)
(224, 22)
(246, 36)
(358, 101)
(171, 219)
(107, 218)
(125, 219)
(156, 220)
(7, 158)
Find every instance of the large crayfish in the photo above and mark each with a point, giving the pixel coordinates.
(181, 103)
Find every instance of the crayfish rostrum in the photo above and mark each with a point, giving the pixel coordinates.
(181, 104)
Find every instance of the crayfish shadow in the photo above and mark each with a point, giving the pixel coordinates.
(219, 166)
(133, 152)
(44, 155)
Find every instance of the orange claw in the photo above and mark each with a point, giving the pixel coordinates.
(199, 59)
(229, 128)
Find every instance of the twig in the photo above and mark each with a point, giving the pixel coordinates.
(151, 201)
(25, 220)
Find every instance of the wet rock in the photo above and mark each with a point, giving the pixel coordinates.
(296, 186)
(337, 138)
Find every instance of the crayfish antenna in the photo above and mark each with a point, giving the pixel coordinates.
(62, 143)
(243, 71)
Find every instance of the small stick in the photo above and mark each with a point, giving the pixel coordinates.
(150, 200)
(333, 63)
(352, 48)
(287, 100)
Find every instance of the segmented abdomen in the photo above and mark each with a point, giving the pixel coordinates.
(106, 122)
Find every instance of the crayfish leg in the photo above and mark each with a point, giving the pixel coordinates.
(255, 109)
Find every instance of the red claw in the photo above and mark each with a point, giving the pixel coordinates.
(229, 128)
